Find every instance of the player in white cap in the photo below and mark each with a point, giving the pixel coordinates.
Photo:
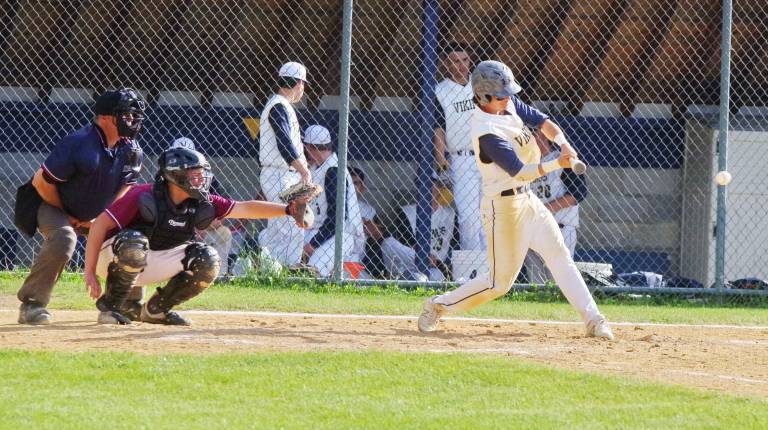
(281, 155)
(514, 219)
(320, 239)
(453, 112)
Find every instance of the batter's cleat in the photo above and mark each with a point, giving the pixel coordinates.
(113, 318)
(167, 318)
(599, 328)
(430, 316)
(33, 313)
(132, 310)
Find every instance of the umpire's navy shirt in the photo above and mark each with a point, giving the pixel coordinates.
(87, 173)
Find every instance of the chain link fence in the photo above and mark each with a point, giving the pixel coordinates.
(634, 85)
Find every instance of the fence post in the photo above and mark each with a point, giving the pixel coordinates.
(341, 177)
(722, 140)
(426, 151)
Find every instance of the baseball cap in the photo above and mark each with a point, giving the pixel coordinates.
(317, 135)
(106, 103)
(294, 70)
(183, 142)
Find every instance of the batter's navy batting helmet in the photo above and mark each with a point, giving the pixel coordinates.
(492, 78)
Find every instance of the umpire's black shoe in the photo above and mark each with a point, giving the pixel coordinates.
(132, 309)
(34, 313)
(167, 318)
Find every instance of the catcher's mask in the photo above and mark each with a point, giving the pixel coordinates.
(127, 106)
(187, 169)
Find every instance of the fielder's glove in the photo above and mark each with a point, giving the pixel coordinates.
(298, 197)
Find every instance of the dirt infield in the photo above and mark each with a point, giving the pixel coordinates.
(729, 359)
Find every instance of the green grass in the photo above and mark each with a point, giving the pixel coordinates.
(272, 295)
(342, 390)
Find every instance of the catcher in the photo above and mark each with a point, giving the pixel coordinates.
(147, 237)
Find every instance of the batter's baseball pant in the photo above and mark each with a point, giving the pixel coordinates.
(467, 188)
(282, 238)
(513, 225)
(59, 240)
(537, 271)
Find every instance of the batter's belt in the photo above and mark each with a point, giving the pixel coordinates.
(515, 191)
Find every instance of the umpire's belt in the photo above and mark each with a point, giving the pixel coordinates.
(515, 191)
(467, 152)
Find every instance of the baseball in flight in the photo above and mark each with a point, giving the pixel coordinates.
(723, 177)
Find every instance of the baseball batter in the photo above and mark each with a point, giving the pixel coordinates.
(454, 108)
(560, 191)
(282, 159)
(514, 219)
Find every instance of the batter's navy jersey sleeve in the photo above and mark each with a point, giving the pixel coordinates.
(61, 163)
(531, 116)
(497, 150)
(278, 119)
(439, 115)
(575, 184)
(328, 229)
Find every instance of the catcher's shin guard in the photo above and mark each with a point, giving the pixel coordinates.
(201, 265)
(130, 250)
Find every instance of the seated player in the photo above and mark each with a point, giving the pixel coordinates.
(147, 237)
(398, 250)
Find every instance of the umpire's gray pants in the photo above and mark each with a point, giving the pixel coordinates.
(59, 240)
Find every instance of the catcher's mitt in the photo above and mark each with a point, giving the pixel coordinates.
(297, 197)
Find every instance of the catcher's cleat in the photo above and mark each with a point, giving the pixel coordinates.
(113, 317)
(33, 313)
(430, 316)
(167, 318)
(132, 309)
(598, 327)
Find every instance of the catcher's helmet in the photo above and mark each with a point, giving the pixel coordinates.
(119, 104)
(492, 78)
(176, 165)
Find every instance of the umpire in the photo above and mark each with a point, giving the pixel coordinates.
(86, 171)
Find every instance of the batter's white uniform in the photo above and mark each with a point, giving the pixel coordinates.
(323, 256)
(513, 224)
(548, 188)
(456, 103)
(282, 237)
(400, 259)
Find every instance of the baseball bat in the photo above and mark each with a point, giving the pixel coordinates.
(578, 166)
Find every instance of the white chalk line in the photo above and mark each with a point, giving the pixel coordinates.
(464, 319)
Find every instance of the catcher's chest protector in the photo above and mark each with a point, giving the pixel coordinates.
(174, 226)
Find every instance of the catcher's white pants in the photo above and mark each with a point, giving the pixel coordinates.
(161, 265)
(513, 225)
(322, 258)
(220, 239)
(537, 271)
(282, 238)
(467, 192)
(400, 259)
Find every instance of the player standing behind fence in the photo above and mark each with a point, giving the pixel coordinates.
(453, 112)
(281, 155)
(514, 218)
(86, 171)
(320, 239)
(560, 191)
